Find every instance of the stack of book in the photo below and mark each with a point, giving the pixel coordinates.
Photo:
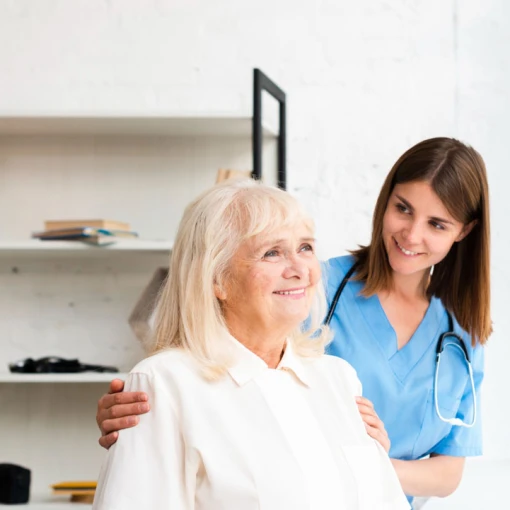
(98, 232)
(80, 491)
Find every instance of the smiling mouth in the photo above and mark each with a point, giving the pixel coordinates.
(409, 253)
(293, 292)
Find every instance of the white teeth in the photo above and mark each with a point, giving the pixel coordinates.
(289, 292)
(406, 252)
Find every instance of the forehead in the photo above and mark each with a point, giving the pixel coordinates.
(423, 198)
(287, 234)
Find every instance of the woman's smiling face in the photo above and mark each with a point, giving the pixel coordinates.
(272, 280)
(418, 230)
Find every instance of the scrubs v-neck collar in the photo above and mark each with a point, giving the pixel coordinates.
(425, 337)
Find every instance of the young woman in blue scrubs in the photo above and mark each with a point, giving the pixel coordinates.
(428, 260)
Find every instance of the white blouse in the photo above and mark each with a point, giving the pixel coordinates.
(258, 439)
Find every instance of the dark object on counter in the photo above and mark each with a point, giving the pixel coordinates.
(55, 365)
(14, 484)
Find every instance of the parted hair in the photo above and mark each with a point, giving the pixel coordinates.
(212, 229)
(456, 173)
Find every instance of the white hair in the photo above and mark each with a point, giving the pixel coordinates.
(211, 231)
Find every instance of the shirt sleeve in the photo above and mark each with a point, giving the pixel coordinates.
(146, 467)
(464, 441)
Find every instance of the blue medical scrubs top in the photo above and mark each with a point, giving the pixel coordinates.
(400, 383)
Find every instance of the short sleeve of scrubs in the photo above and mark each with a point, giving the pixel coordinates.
(463, 441)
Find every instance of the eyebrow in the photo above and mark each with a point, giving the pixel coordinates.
(273, 242)
(434, 218)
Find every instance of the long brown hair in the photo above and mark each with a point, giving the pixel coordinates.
(456, 173)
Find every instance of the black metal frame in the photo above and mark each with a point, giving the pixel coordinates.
(260, 83)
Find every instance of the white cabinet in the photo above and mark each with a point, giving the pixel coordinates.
(71, 300)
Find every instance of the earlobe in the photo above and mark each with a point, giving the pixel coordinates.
(219, 292)
(466, 230)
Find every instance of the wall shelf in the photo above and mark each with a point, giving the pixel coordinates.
(54, 503)
(122, 245)
(146, 124)
(84, 377)
(56, 506)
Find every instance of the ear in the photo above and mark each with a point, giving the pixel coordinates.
(466, 230)
(219, 292)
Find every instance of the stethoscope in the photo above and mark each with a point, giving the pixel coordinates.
(442, 343)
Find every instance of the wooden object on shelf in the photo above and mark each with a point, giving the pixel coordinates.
(140, 318)
(225, 173)
(80, 491)
(103, 224)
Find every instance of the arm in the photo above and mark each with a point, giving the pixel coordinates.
(118, 410)
(149, 466)
(437, 476)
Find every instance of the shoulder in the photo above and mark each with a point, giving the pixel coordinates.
(165, 363)
(341, 372)
(335, 269)
(171, 372)
(476, 353)
(339, 265)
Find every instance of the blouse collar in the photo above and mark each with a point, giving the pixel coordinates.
(246, 365)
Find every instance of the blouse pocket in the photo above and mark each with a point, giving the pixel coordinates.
(433, 429)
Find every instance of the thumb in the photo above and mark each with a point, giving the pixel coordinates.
(116, 386)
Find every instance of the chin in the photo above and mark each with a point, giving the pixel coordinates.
(406, 267)
(294, 320)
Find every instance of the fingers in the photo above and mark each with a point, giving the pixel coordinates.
(120, 405)
(373, 424)
(108, 440)
(366, 409)
(380, 436)
(373, 421)
(116, 385)
(364, 401)
(109, 400)
(118, 410)
(121, 410)
(120, 416)
(114, 425)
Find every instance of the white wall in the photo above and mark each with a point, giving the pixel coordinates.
(365, 80)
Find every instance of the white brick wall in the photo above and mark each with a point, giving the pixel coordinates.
(364, 79)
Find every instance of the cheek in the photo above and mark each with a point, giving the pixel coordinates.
(315, 272)
(260, 282)
(391, 223)
(386, 224)
(441, 246)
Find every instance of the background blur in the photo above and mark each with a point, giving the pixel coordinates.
(364, 80)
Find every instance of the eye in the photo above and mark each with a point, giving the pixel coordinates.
(306, 247)
(271, 253)
(402, 208)
(437, 226)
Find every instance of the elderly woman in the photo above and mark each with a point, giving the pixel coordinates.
(247, 412)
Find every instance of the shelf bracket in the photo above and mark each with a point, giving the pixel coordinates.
(262, 83)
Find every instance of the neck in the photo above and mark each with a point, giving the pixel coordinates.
(410, 287)
(266, 344)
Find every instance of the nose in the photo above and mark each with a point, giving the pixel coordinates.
(295, 268)
(413, 232)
